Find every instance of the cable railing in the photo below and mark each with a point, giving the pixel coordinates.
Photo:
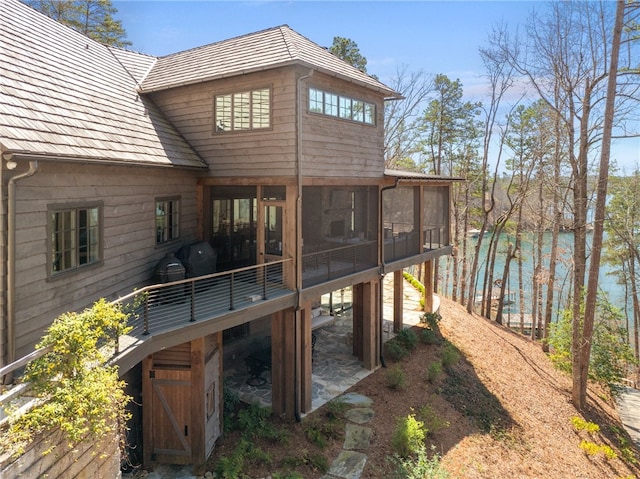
(157, 307)
(327, 264)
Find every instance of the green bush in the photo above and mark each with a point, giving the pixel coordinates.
(434, 371)
(429, 336)
(408, 436)
(432, 320)
(419, 466)
(395, 350)
(580, 424)
(395, 378)
(78, 395)
(450, 355)
(432, 422)
(407, 338)
(611, 353)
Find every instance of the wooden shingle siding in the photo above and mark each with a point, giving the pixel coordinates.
(268, 152)
(128, 198)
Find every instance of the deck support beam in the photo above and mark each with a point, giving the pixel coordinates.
(428, 286)
(283, 362)
(398, 300)
(366, 323)
(306, 359)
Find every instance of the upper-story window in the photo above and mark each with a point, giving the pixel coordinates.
(248, 110)
(167, 220)
(75, 234)
(340, 106)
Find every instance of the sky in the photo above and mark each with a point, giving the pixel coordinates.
(431, 36)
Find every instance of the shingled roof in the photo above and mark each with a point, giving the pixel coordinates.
(65, 96)
(267, 49)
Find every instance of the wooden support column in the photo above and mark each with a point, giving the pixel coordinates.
(147, 411)
(306, 360)
(358, 313)
(198, 402)
(398, 300)
(428, 286)
(283, 357)
(371, 325)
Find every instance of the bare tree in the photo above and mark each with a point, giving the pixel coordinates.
(566, 59)
(401, 132)
(499, 73)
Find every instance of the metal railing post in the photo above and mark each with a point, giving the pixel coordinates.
(193, 301)
(231, 280)
(264, 281)
(146, 315)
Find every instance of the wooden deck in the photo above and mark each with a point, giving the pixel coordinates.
(166, 315)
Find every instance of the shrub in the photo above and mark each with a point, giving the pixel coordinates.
(77, 394)
(450, 355)
(395, 350)
(408, 436)
(395, 378)
(432, 320)
(610, 353)
(581, 424)
(336, 408)
(429, 336)
(432, 422)
(419, 466)
(434, 371)
(407, 338)
(593, 449)
(319, 432)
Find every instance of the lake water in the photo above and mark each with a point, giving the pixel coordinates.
(607, 281)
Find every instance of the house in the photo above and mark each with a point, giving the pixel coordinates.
(265, 149)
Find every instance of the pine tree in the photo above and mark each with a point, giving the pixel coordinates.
(93, 18)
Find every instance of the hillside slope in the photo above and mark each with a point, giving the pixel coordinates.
(507, 409)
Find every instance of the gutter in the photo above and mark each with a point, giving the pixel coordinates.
(11, 256)
(384, 267)
(296, 408)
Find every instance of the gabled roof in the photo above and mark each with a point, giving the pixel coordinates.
(65, 96)
(264, 50)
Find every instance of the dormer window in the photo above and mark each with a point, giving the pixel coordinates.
(248, 110)
(339, 106)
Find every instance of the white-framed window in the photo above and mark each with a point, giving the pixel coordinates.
(167, 220)
(332, 104)
(248, 110)
(75, 237)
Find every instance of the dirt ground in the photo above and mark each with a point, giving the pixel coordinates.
(501, 411)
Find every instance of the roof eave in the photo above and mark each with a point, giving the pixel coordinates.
(388, 92)
(408, 176)
(31, 156)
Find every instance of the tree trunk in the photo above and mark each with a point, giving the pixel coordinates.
(580, 389)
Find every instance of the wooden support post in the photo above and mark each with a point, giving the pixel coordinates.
(371, 325)
(283, 368)
(147, 412)
(306, 360)
(428, 286)
(398, 300)
(358, 313)
(198, 401)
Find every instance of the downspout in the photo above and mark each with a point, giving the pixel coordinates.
(11, 258)
(382, 273)
(298, 274)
